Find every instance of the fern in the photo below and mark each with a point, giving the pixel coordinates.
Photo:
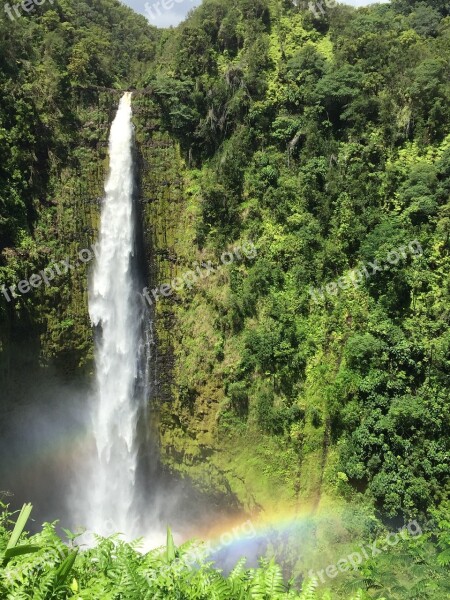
(274, 581)
(309, 590)
(115, 570)
(443, 558)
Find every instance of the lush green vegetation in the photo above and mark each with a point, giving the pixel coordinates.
(44, 568)
(326, 141)
(52, 122)
(44, 60)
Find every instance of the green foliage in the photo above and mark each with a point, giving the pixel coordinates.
(43, 575)
(115, 569)
(54, 62)
(12, 548)
(324, 140)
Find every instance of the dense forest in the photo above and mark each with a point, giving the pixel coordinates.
(314, 372)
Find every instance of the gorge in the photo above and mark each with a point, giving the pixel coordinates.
(242, 410)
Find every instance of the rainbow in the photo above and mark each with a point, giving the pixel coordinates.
(299, 541)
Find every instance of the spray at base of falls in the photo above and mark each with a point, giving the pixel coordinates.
(122, 348)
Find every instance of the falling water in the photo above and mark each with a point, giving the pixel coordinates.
(120, 485)
(120, 354)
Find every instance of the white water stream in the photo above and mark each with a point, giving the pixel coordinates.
(115, 311)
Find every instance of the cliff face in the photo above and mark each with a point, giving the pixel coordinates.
(187, 354)
(52, 339)
(296, 369)
(54, 122)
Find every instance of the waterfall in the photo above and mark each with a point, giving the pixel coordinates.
(121, 352)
